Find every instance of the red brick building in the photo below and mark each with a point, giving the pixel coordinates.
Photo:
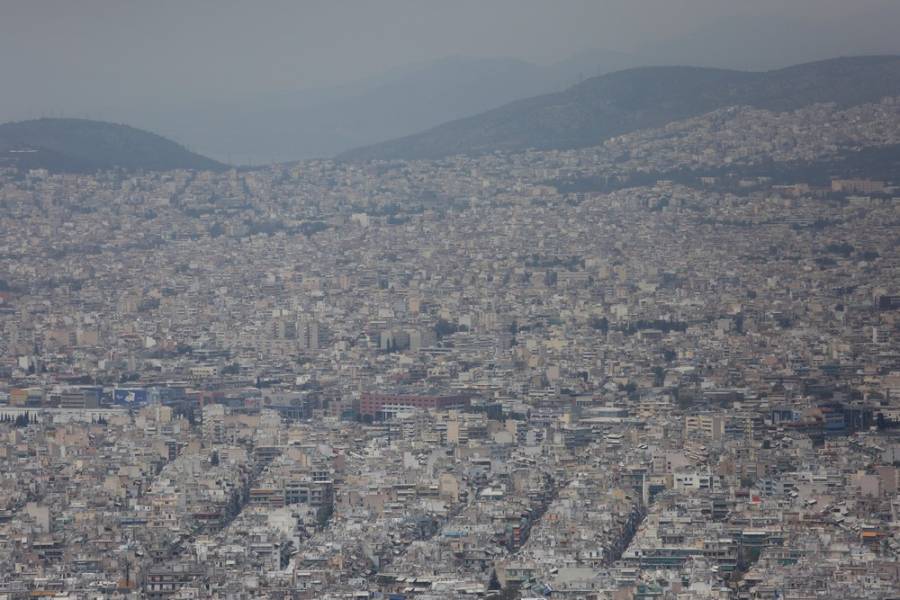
(371, 403)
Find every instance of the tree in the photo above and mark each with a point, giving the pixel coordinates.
(600, 324)
(494, 583)
(551, 278)
(232, 369)
(216, 230)
(444, 328)
(659, 376)
(510, 592)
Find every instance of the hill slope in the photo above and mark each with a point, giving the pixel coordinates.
(79, 145)
(315, 123)
(610, 105)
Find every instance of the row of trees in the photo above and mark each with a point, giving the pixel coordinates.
(26, 418)
(23, 420)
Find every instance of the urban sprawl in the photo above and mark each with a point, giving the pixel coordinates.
(551, 374)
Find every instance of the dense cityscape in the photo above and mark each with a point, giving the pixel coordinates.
(636, 370)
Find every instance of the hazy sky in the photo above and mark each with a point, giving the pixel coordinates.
(72, 55)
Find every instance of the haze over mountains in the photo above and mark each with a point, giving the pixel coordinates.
(766, 43)
(625, 101)
(323, 122)
(583, 115)
(281, 81)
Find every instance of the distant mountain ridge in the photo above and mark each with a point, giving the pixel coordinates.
(606, 106)
(81, 145)
(317, 123)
